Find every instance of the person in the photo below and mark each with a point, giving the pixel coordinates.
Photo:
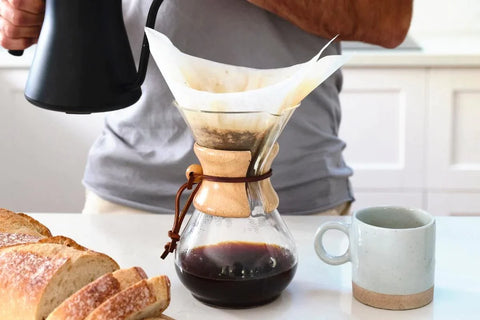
(138, 162)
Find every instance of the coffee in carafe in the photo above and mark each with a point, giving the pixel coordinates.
(236, 274)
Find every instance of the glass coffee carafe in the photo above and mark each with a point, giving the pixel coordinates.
(235, 250)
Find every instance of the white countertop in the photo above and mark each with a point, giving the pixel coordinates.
(318, 291)
(439, 50)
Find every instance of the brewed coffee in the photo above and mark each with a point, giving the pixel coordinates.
(236, 274)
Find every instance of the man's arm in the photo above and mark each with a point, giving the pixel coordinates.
(380, 22)
(20, 22)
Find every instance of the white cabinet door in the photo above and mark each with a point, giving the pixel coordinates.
(453, 153)
(383, 116)
(453, 203)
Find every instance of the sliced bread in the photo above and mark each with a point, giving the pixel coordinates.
(12, 222)
(18, 228)
(144, 299)
(36, 277)
(85, 300)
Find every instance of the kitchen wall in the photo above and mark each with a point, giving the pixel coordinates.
(445, 17)
(42, 153)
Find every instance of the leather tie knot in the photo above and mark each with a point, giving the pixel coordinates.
(173, 235)
(191, 180)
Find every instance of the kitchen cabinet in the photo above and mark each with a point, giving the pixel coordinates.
(413, 135)
(382, 119)
(453, 135)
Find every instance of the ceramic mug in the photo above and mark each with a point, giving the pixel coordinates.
(392, 251)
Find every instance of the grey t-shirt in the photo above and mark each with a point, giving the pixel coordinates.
(141, 156)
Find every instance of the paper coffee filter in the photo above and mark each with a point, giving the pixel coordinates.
(200, 84)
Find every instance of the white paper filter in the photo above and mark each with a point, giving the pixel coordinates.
(201, 84)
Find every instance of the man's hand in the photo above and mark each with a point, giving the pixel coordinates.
(20, 23)
(380, 22)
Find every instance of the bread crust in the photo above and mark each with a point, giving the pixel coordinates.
(64, 241)
(39, 227)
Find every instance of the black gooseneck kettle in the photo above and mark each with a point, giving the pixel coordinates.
(83, 62)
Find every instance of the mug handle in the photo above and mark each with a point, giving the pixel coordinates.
(320, 249)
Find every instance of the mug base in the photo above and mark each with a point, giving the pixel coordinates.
(392, 301)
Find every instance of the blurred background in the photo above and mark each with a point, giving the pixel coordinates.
(410, 120)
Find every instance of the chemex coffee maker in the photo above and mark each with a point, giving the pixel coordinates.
(235, 251)
(83, 62)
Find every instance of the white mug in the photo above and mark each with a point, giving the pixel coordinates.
(392, 251)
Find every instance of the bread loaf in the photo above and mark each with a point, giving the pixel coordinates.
(40, 273)
(146, 298)
(85, 300)
(36, 277)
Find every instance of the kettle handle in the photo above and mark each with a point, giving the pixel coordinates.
(16, 53)
(145, 53)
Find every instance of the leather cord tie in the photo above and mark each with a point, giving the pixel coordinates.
(195, 178)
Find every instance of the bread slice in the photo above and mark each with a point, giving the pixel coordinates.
(85, 300)
(12, 222)
(146, 298)
(17, 228)
(36, 277)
